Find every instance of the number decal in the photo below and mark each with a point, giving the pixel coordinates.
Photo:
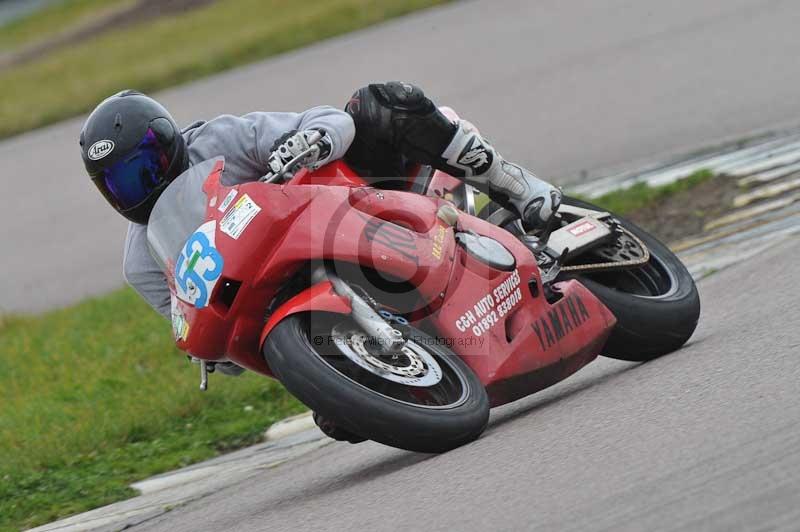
(199, 266)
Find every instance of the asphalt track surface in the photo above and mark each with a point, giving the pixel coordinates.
(707, 438)
(560, 86)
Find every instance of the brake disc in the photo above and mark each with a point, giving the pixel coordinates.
(411, 365)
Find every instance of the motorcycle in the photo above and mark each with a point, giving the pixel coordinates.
(402, 316)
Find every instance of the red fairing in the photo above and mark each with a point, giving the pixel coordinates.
(297, 223)
(320, 298)
(336, 173)
(499, 322)
(516, 342)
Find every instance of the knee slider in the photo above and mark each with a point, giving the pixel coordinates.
(397, 118)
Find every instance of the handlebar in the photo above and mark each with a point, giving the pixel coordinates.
(269, 177)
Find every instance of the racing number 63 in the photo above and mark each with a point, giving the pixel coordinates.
(198, 266)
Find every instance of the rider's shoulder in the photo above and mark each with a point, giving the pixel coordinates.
(218, 125)
(193, 126)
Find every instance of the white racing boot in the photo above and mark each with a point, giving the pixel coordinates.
(509, 184)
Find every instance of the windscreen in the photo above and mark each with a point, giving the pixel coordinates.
(178, 213)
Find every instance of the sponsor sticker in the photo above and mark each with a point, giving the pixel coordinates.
(239, 216)
(392, 236)
(180, 327)
(438, 243)
(100, 149)
(199, 266)
(489, 309)
(227, 201)
(565, 316)
(581, 229)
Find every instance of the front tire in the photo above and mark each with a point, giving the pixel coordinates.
(431, 419)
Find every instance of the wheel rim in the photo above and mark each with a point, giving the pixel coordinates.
(412, 365)
(416, 376)
(653, 280)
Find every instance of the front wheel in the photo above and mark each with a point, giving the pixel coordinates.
(423, 398)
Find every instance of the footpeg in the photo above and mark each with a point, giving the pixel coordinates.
(203, 375)
(205, 369)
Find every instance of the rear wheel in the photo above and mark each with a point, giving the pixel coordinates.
(423, 398)
(657, 305)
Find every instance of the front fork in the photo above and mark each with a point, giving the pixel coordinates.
(389, 339)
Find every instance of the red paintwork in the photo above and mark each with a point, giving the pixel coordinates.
(319, 297)
(329, 214)
(336, 173)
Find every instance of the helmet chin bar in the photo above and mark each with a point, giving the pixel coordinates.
(140, 214)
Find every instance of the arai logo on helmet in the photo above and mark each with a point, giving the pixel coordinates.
(100, 149)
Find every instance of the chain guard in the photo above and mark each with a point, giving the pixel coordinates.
(625, 251)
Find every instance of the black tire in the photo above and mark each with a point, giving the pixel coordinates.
(307, 371)
(649, 325)
(336, 432)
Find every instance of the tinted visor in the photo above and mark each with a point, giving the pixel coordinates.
(131, 180)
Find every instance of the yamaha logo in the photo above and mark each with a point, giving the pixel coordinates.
(100, 149)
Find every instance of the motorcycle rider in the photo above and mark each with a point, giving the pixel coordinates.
(132, 149)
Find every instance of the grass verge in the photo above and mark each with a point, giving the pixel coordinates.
(675, 211)
(174, 49)
(670, 212)
(96, 396)
(643, 196)
(51, 20)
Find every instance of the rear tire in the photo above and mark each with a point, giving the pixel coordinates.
(648, 326)
(652, 324)
(308, 371)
